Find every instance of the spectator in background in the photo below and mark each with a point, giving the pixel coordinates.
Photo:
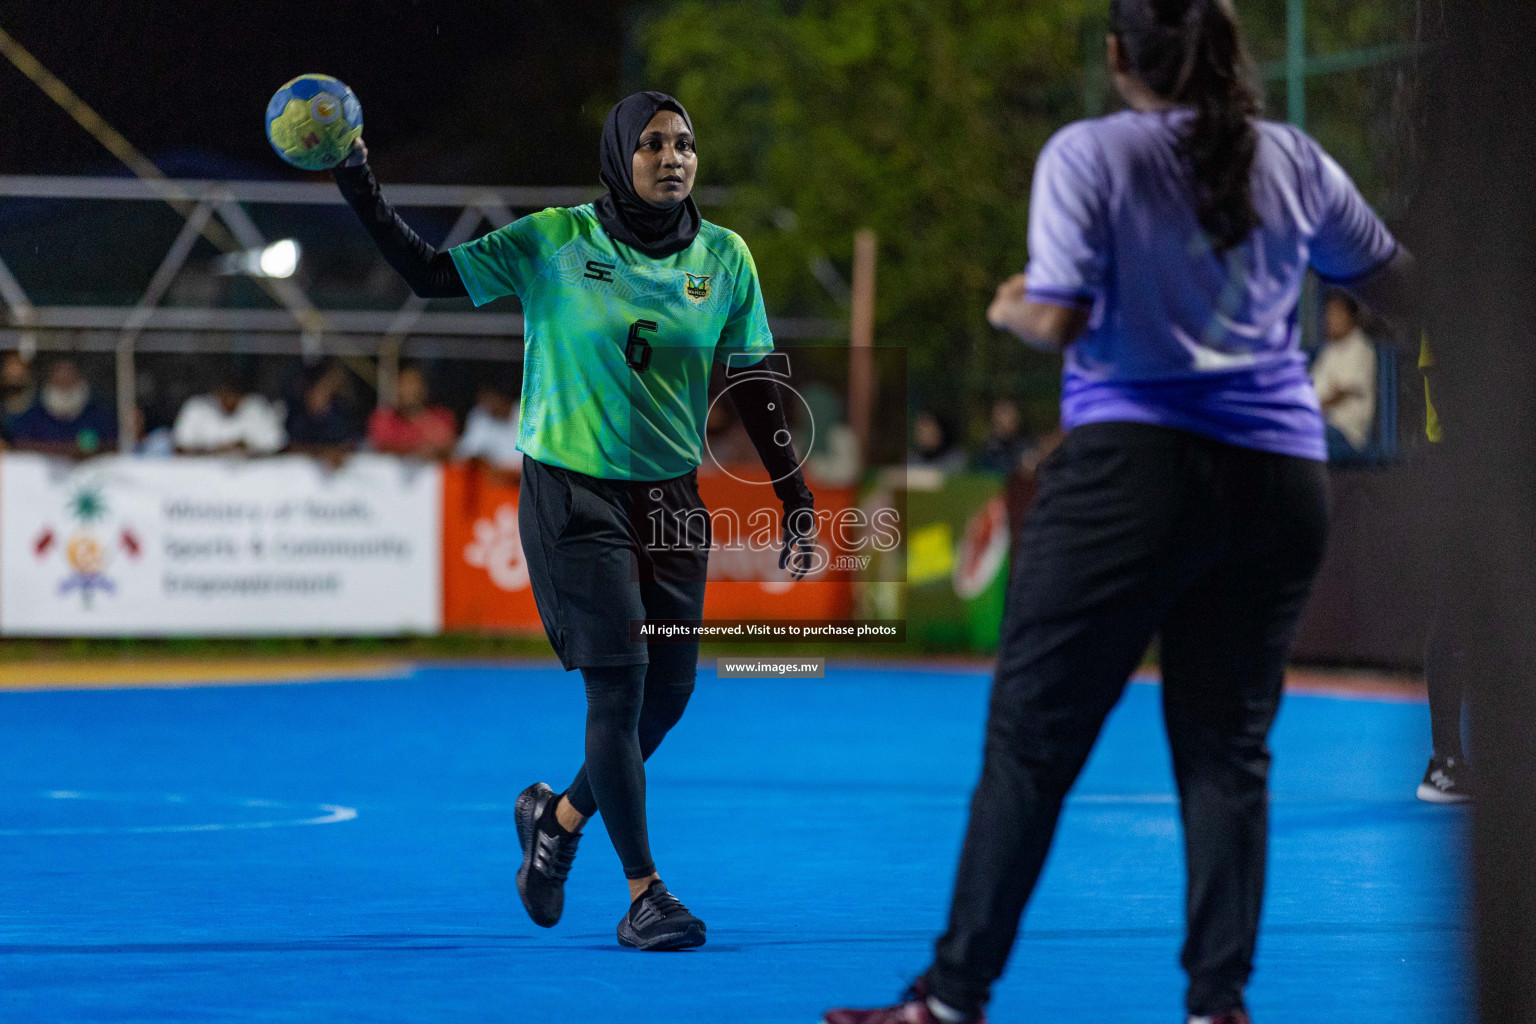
(1004, 446)
(322, 419)
(412, 427)
(229, 420)
(157, 442)
(933, 445)
(66, 419)
(17, 388)
(490, 432)
(823, 434)
(1344, 375)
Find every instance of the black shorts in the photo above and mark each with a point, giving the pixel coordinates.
(604, 553)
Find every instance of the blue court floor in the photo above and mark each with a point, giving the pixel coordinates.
(344, 851)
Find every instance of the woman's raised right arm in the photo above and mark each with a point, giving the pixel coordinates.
(430, 273)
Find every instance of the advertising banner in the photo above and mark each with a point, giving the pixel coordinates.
(485, 579)
(214, 546)
(486, 584)
(957, 562)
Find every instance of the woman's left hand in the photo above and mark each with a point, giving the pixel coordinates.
(357, 155)
(1040, 325)
(798, 556)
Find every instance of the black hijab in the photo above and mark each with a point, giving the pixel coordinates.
(625, 216)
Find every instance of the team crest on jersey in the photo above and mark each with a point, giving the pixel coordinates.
(697, 287)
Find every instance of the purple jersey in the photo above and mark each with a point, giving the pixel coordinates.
(1179, 335)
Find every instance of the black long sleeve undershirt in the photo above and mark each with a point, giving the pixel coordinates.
(431, 274)
(760, 405)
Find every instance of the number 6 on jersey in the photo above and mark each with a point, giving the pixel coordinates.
(638, 352)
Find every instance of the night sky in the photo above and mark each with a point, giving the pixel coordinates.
(480, 91)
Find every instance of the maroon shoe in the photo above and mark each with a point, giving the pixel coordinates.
(913, 1009)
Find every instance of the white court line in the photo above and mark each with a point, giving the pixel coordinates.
(334, 813)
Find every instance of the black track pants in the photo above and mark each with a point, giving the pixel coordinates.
(1445, 648)
(1445, 658)
(1141, 530)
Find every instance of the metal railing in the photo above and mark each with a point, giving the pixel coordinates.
(298, 325)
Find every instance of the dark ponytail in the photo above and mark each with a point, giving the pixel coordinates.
(1190, 52)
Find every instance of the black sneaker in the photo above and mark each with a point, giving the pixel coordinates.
(913, 1009)
(658, 920)
(548, 851)
(1446, 781)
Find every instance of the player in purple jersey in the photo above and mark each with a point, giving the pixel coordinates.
(1168, 244)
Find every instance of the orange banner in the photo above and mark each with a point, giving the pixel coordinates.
(485, 578)
(746, 584)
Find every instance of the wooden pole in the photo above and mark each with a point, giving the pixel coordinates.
(861, 340)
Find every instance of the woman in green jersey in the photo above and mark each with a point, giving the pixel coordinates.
(627, 303)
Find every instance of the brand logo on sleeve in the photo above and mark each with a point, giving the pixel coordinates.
(599, 271)
(696, 287)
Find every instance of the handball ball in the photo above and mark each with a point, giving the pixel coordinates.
(312, 120)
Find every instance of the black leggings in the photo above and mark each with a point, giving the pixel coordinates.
(594, 573)
(629, 709)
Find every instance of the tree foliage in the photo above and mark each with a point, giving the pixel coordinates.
(920, 119)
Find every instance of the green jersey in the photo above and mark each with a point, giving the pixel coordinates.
(618, 346)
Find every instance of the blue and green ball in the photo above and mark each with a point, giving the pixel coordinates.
(312, 120)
